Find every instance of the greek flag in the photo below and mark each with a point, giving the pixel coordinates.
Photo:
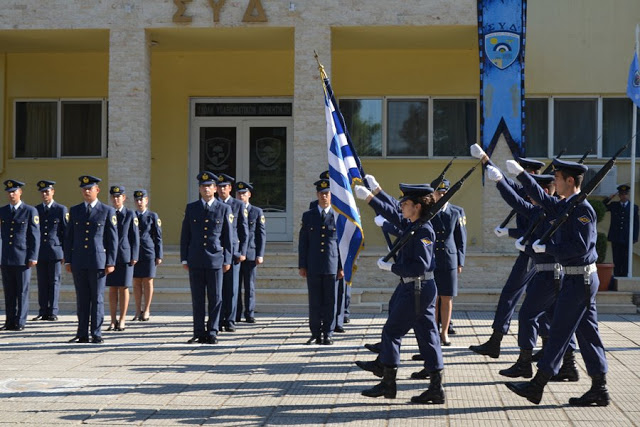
(344, 170)
(633, 83)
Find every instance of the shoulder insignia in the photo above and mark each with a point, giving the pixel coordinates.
(262, 219)
(159, 223)
(584, 219)
(230, 218)
(426, 242)
(135, 221)
(36, 219)
(463, 221)
(66, 216)
(114, 220)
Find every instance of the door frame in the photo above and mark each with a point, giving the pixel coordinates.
(242, 124)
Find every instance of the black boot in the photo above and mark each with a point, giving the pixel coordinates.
(374, 348)
(420, 375)
(597, 395)
(533, 389)
(522, 367)
(568, 371)
(386, 387)
(538, 355)
(491, 348)
(435, 392)
(374, 366)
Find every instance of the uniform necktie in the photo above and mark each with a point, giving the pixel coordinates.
(206, 207)
(323, 214)
(46, 209)
(88, 210)
(13, 211)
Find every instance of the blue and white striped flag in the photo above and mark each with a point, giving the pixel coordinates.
(344, 170)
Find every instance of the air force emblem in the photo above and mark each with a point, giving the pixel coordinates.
(502, 48)
(426, 242)
(584, 219)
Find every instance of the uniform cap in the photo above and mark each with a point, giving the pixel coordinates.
(11, 185)
(528, 163)
(543, 179)
(324, 175)
(206, 178)
(139, 194)
(410, 191)
(572, 168)
(224, 179)
(117, 190)
(44, 184)
(242, 187)
(88, 181)
(322, 185)
(623, 188)
(443, 186)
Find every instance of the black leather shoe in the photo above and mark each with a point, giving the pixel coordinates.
(568, 371)
(339, 329)
(519, 369)
(5, 328)
(327, 341)
(491, 348)
(314, 339)
(420, 375)
(375, 367)
(531, 390)
(451, 331)
(39, 317)
(597, 395)
(347, 320)
(52, 318)
(417, 357)
(212, 340)
(79, 340)
(434, 395)
(18, 328)
(193, 340)
(387, 387)
(97, 340)
(374, 348)
(251, 320)
(230, 329)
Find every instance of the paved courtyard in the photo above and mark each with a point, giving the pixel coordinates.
(264, 375)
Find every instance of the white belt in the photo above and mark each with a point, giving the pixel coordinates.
(427, 276)
(544, 267)
(583, 270)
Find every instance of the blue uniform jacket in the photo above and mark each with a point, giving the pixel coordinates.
(619, 227)
(239, 230)
(574, 243)
(257, 233)
(318, 243)
(416, 257)
(531, 211)
(52, 227)
(451, 236)
(522, 222)
(150, 229)
(91, 242)
(205, 240)
(128, 237)
(20, 234)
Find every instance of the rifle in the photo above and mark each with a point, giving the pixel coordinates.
(433, 210)
(436, 182)
(546, 170)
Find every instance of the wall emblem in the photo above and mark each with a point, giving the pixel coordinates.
(502, 48)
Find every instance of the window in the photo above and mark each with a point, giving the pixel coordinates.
(60, 128)
(617, 120)
(575, 125)
(536, 133)
(404, 130)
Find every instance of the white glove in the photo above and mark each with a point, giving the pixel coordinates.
(362, 192)
(514, 167)
(493, 173)
(538, 248)
(379, 220)
(519, 245)
(501, 232)
(382, 265)
(371, 180)
(477, 151)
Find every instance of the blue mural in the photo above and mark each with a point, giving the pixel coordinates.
(501, 39)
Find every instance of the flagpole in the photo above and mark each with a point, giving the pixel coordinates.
(634, 126)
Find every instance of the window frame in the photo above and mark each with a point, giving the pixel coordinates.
(59, 101)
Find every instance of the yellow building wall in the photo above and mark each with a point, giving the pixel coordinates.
(50, 75)
(175, 78)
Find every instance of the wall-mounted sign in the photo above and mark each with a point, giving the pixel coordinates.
(244, 109)
(253, 13)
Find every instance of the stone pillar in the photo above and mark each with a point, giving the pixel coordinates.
(129, 150)
(309, 128)
(494, 208)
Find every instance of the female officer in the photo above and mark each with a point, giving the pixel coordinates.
(415, 263)
(144, 271)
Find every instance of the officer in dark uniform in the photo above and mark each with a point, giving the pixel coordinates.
(574, 247)
(256, 242)
(90, 250)
(319, 263)
(415, 295)
(239, 236)
(20, 232)
(149, 257)
(205, 251)
(521, 274)
(121, 279)
(53, 223)
(619, 229)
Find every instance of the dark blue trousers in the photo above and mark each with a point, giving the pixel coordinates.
(572, 316)
(402, 317)
(340, 302)
(15, 283)
(322, 303)
(206, 285)
(620, 254)
(247, 290)
(347, 302)
(230, 289)
(90, 285)
(48, 286)
(511, 292)
(541, 294)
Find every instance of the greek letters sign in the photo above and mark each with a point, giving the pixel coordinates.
(253, 13)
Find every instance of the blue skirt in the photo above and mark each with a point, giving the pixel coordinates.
(446, 282)
(121, 276)
(145, 268)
